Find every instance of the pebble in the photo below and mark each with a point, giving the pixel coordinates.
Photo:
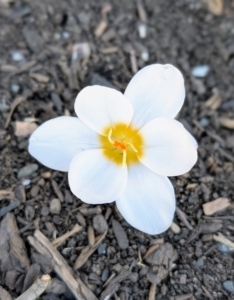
(100, 224)
(45, 211)
(57, 220)
(27, 171)
(134, 277)
(105, 275)
(26, 182)
(56, 287)
(17, 56)
(29, 212)
(120, 234)
(200, 71)
(229, 286)
(65, 34)
(117, 267)
(96, 269)
(204, 122)
(145, 55)
(142, 30)
(199, 263)
(224, 249)
(50, 297)
(102, 249)
(15, 88)
(55, 206)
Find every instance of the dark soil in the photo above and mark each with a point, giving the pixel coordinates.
(44, 83)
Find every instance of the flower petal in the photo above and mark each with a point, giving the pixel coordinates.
(148, 202)
(57, 141)
(169, 149)
(99, 107)
(96, 180)
(155, 91)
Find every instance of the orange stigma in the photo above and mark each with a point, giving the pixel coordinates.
(120, 145)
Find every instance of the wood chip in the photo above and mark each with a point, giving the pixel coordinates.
(87, 252)
(120, 235)
(109, 50)
(152, 291)
(214, 206)
(39, 77)
(183, 218)
(101, 27)
(214, 101)
(57, 242)
(35, 290)
(214, 6)
(175, 228)
(15, 103)
(91, 236)
(223, 240)
(24, 128)
(227, 123)
(4, 295)
(43, 246)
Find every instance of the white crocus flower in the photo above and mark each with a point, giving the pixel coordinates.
(122, 147)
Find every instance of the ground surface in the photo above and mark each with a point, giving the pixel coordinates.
(39, 73)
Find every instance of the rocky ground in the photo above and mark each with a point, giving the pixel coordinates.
(49, 51)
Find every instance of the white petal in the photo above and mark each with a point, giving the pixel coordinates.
(169, 149)
(96, 180)
(57, 141)
(99, 107)
(155, 91)
(148, 202)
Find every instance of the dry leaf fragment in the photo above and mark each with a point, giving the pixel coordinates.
(24, 128)
(214, 206)
(214, 6)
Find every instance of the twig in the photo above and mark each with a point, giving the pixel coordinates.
(87, 251)
(35, 290)
(57, 242)
(183, 218)
(15, 103)
(221, 239)
(152, 291)
(43, 246)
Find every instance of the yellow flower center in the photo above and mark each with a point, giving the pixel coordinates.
(122, 144)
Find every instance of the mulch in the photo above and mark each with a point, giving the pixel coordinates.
(49, 51)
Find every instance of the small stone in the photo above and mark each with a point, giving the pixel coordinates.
(224, 249)
(120, 234)
(117, 267)
(55, 206)
(134, 277)
(100, 224)
(65, 34)
(15, 88)
(26, 182)
(50, 297)
(57, 220)
(199, 263)
(17, 56)
(229, 286)
(142, 30)
(204, 122)
(145, 55)
(56, 287)
(200, 71)
(96, 269)
(105, 274)
(102, 249)
(29, 212)
(27, 171)
(34, 191)
(45, 211)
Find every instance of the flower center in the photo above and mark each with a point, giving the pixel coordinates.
(122, 144)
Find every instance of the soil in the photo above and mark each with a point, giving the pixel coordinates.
(49, 51)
